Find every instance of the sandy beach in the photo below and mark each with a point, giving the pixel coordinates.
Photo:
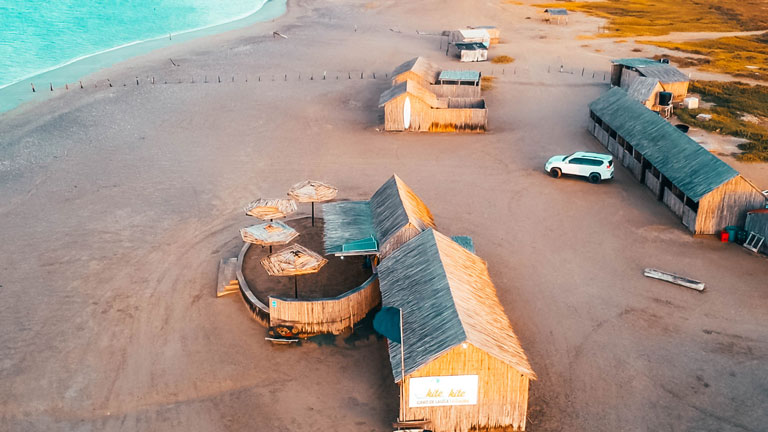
(117, 204)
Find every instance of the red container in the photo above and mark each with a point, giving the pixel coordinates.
(724, 236)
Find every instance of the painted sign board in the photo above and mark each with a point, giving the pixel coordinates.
(442, 391)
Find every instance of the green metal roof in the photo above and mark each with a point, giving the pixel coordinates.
(346, 222)
(636, 62)
(688, 165)
(465, 242)
(459, 75)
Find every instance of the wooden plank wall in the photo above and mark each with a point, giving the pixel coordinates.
(502, 399)
(307, 317)
(455, 91)
(673, 203)
(728, 205)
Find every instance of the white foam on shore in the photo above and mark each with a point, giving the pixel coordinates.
(125, 45)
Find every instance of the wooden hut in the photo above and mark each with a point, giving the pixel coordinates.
(757, 226)
(481, 36)
(556, 15)
(418, 70)
(410, 107)
(646, 91)
(493, 32)
(705, 192)
(392, 216)
(469, 51)
(625, 71)
(459, 365)
(457, 84)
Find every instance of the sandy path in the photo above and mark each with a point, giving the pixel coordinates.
(118, 203)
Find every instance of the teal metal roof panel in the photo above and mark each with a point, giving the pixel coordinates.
(635, 62)
(465, 241)
(346, 222)
(688, 165)
(460, 75)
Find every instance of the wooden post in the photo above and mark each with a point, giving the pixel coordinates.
(402, 369)
(313, 213)
(295, 286)
(33, 87)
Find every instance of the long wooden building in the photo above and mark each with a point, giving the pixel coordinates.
(705, 192)
(392, 216)
(459, 364)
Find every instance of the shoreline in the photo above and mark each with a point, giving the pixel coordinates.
(19, 93)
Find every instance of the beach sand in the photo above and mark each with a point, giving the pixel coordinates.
(117, 204)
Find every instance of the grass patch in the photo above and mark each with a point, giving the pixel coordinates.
(684, 62)
(486, 82)
(660, 17)
(732, 100)
(729, 55)
(502, 59)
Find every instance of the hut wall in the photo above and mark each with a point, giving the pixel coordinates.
(473, 55)
(689, 218)
(627, 77)
(459, 120)
(679, 90)
(673, 202)
(652, 182)
(421, 114)
(455, 91)
(616, 74)
(413, 76)
(728, 205)
(307, 317)
(502, 396)
(398, 239)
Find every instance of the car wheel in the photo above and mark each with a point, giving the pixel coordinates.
(594, 178)
(555, 172)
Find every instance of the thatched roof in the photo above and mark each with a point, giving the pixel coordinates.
(642, 88)
(688, 165)
(270, 208)
(393, 206)
(312, 191)
(413, 88)
(421, 67)
(292, 261)
(447, 298)
(269, 234)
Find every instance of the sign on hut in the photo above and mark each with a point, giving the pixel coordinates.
(392, 216)
(702, 190)
(456, 371)
(409, 106)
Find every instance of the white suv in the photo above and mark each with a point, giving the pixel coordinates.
(594, 166)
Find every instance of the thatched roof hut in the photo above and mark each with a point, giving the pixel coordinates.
(392, 216)
(418, 70)
(705, 192)
(454, 330)
(625, 71)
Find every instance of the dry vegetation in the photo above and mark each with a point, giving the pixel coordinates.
(486, 82)
(739, 56)
(502, 59)
(733, 100)
(660, 17)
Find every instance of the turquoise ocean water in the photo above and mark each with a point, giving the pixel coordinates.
(43, 41)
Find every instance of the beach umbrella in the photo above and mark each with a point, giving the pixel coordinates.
(293, 261)
(268, 209)
(269, 234)
(312, 191)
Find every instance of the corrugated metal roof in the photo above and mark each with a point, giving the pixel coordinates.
(420, 66)
(556, 11)
(635, 62)
(345, 222)
(642, 88)
(459, 75)
(447, 298)
(689, 166)
(470, 46)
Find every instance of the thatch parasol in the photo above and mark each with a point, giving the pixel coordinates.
(293, 261)
(268, 209)
(312, 191)
(269, 234)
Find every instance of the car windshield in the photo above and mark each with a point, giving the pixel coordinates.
(568, 156)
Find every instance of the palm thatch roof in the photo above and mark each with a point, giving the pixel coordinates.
(292, 261)
(270, 208)
(269, 234)
(421, 67)
(411, 87)
(688, 165)
(392, 207)
(447, 298)
(312, 191)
